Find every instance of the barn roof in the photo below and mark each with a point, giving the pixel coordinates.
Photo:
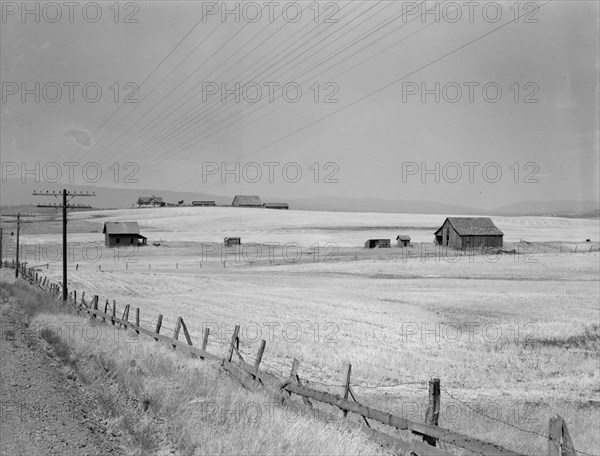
(121, 228)
(403, 237)
(247, 200)
(473, 226)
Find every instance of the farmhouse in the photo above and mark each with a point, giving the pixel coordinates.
(377, 243)
(203, 203)
(283, 206)
(403, 240)
(468, 233)
(117, 234)
(229, 241)
(246, 201)
(150, 201)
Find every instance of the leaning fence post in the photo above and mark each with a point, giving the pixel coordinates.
(432, 414)
(114, 312)
(125, 317)
(186, 333)
(347, 384)
(234, 340)
(259, 356)
(105, 310)
(177, 329)
(95, 304)
(158, 324)
(568, 448)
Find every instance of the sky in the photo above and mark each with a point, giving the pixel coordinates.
(482, 105)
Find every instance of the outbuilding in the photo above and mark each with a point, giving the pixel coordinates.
(283, 206)
(204, 203)
(469, 233)
(377, 243)
(122, 234)
(229, 241)
(150, 201)
(403, 240)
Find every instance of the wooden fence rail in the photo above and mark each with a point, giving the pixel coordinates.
(253, 378)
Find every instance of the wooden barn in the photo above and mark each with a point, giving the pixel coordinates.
(246, 201)
(283, 206)
(150, 201)
(403, 240)
(377, 243)
(469, 233)
(122, 234)
(204, 203)
(229, 241)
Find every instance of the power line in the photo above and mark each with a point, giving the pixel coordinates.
(395, 81)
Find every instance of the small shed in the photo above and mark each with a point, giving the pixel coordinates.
(246, 201)
(403, 240)
(377, 244)
(204, 203)
(122, 234)
(469, 233)
(229, 241)
(283, 206)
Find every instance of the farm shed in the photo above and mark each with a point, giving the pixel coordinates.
(377, 243)
(246, 201)
(283, 206)
(469, 232)
(229, 241)
(117, 234)
(403, 240)
(203, 203)
(150, 201)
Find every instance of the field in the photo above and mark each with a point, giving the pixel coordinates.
(514, 338)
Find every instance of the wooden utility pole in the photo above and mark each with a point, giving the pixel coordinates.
(64, 207)
(18, 230)
(1, 258)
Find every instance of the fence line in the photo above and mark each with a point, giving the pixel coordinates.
(256, 379)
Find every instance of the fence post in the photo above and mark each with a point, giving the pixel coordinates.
(95, 304)
(205, 339)
(114, 312)
(188, 339)
(348, 370)
(433, 409)
(158, 324)
(234, 341)
(137, 319)
(177, 329)
(105, 309)
(259, 356)
(568, 448)
(554, 436)
(126, 316)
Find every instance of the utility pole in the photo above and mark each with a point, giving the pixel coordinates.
(64, 207)
(18, 231)
(1, 247)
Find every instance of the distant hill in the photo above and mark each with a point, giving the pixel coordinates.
(16, 193)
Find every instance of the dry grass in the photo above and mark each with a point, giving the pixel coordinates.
(206, 411)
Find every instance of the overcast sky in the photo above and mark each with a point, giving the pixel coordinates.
(374, 62)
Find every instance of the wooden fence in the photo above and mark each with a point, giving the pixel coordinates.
(281, 389)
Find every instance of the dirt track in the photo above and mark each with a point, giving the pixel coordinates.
(45, 410)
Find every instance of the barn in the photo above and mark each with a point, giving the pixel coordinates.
(283, 206)
(468, 233)
(403, 240)
(246, 201)
(229, 241)
(122, 234)
(377, 243)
